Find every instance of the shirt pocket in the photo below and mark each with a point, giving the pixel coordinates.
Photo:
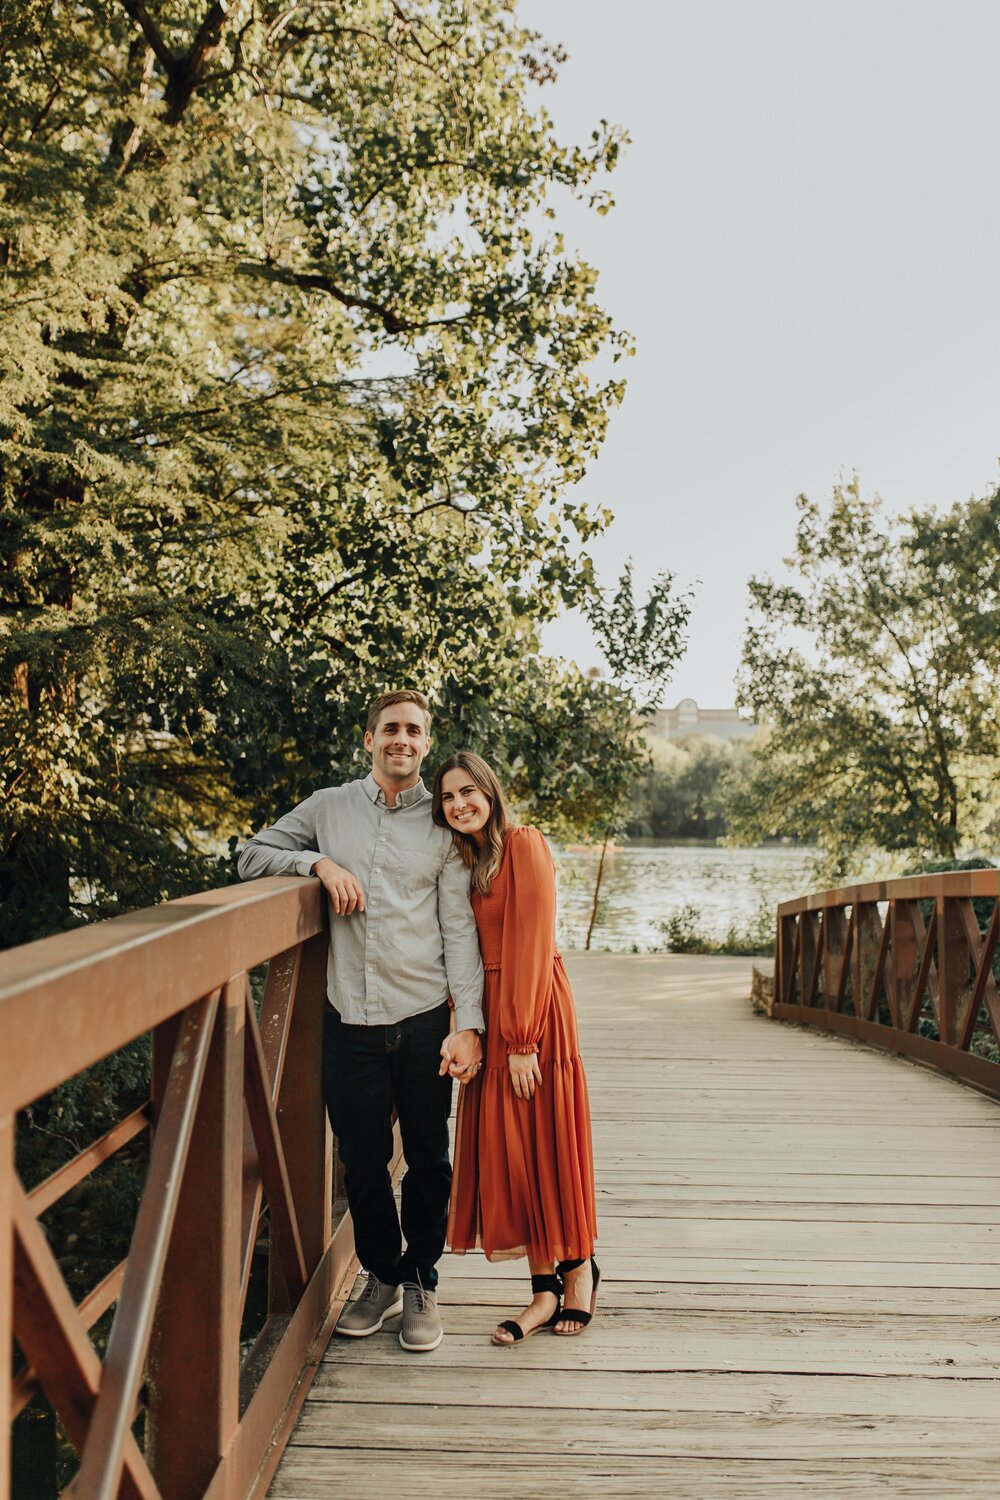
(417, 869)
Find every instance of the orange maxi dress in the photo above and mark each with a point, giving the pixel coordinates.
(523, 1180)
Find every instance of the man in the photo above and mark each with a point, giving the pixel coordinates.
(402, 940)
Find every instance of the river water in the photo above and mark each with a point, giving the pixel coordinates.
(647, 881)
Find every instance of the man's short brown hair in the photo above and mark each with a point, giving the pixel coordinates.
(386, 700)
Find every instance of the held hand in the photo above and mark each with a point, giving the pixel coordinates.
(461, 1055)
(525, 1074)
(340, 885)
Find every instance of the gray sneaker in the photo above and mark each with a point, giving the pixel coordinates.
(367, 1313)
(421, 1329)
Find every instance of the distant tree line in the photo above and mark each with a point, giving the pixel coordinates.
(686, 791)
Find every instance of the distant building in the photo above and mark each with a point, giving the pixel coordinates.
(688, 719)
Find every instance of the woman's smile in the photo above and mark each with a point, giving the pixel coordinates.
(465, 806)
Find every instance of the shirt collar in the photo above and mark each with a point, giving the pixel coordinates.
(412, 794)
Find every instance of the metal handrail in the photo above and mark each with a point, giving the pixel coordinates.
(906, 965)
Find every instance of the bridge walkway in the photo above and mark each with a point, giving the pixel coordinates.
(801, 1244)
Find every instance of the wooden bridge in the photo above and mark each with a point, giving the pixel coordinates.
(800, 1235)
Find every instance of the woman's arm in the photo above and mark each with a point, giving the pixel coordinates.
(529, 942)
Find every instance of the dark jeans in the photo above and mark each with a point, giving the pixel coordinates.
(366, 1071)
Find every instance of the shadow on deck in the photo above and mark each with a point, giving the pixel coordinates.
(801, 1244)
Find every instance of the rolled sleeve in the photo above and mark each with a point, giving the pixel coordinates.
(463, 962)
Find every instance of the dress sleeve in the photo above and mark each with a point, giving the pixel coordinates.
(529, 940)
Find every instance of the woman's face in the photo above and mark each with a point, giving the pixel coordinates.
(466, 806)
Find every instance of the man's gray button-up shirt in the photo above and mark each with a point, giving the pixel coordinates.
(415, 943)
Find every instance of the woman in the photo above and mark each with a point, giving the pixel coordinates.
(523, 1177)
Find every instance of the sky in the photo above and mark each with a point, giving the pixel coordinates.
(805, 247)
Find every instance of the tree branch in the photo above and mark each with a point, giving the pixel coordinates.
(184, 73)
(126, 137)
(140, 15)
(310, 610)
(315, 281)
(187, 71)
(209, 37)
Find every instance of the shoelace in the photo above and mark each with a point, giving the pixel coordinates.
(417, 1289)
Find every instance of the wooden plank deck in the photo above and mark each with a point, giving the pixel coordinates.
(801, 1247)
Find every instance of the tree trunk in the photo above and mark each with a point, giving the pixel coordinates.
(597, 892)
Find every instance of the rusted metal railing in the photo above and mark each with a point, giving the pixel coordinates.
(906, 965)
(236, 1116)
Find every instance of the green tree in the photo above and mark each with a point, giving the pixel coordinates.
(875, 673)
(292, 392)
(685, 793)
(642, 646)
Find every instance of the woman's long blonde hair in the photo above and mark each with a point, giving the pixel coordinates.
(485, 862)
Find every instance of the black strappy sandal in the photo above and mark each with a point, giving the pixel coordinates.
(578, 1314)
(551, 1284)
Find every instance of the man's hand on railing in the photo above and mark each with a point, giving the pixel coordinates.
(340, 885)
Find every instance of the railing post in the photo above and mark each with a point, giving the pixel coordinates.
(784, 985)
(834, 956)
(808, 956)
(193, 1372)
(952, 967)
(864, 959)
(905, 959)
(301, 1116)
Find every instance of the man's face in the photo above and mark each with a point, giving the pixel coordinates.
(398, 744)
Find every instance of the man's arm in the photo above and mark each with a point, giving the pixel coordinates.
(462, 960)
(288, 847)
